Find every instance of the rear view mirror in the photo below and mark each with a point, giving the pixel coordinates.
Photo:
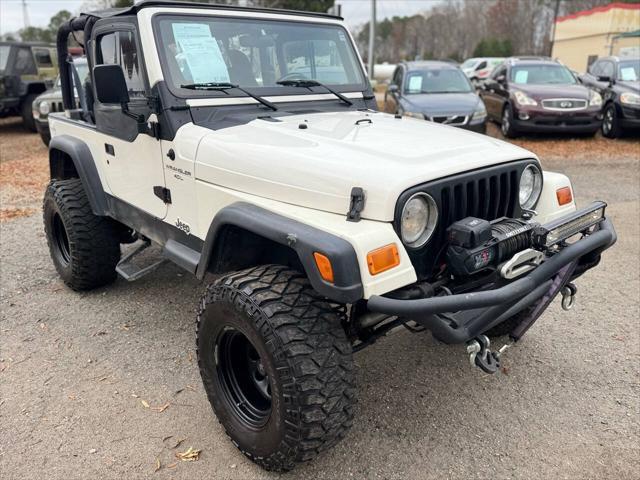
(393, 88)
(111, 86)
(604, 78)
(500, 79)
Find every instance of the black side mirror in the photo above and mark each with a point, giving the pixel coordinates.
(501, 79)
(604, 78)
(110, 84)
(393, 88)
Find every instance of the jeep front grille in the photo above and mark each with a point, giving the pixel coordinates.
(490, 193)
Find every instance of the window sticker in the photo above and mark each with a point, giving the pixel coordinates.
(200, 57)
(628, 74)
(415, 83)
(521, 76)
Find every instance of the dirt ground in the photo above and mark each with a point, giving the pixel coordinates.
(104, 384)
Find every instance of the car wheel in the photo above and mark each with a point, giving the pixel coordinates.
(610, 122)
(506, 125)
(84, 247)
(27, 114)
(276, 365)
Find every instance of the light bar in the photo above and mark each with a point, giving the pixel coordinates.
(566, 227)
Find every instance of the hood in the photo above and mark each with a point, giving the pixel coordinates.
(317, 166)
(543, 92)
(630, 86)
(441, 103)
(54, 94)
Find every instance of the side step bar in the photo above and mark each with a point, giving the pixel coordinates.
(132, 272)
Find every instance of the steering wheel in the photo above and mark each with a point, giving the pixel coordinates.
(293, 76)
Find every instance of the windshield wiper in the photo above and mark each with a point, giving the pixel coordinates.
(314, 83)
(224, 86)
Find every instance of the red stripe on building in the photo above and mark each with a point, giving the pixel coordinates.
(604, 8)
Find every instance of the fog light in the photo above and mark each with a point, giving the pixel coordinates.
(383, 258)
(523, 116)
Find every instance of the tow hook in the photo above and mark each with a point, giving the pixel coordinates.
(481, 356)
(569, 296)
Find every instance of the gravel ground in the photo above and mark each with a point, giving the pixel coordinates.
(77, 372)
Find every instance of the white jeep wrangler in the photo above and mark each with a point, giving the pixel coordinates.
(246, 143)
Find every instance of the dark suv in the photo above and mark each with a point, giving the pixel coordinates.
(436, 91)
(618, 81)
(540, 95)
(26, 70)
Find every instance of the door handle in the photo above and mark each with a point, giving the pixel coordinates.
(109, 149)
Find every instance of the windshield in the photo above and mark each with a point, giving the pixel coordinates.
(472, 62)
(255, 53)
(4, 56)
(446, 80)
(83, 73)
(542, 75)
(629, 70)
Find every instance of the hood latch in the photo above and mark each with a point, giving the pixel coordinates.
(356, 205)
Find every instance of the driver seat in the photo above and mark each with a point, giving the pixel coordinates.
(240, 70)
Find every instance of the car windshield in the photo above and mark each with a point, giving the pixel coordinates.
(83, 73)
(446, 80)
(4, 56)
(541, 75)
(472, 62)
(629, 70)
(255, 53)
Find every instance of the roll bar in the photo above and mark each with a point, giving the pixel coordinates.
(83, 23)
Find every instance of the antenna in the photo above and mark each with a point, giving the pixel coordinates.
(372, 35)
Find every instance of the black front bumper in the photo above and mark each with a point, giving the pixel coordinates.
(476, 312)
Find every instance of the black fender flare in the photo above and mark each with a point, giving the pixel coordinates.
(85, 167)
(303, 239)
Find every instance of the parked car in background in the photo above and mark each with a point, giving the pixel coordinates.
(479, 68)
(618, 82)
(540, 95)
(26, 70)
(51, 101)
(437, 91)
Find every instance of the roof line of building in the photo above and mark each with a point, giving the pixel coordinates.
(603, 8)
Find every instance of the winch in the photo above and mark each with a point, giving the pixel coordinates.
(476, 244)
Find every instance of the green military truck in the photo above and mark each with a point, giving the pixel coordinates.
(26, 70)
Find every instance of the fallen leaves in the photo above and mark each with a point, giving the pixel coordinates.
(158, 409)
(190, 455)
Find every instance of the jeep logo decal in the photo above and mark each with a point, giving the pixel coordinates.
(183, 226)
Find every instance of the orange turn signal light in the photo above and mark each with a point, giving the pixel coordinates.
(564, 195)
(383, 258)
(324, 266)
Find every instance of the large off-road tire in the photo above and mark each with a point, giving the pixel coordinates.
(610, 122)
(27, 114)
(84, 247)
(276, 365)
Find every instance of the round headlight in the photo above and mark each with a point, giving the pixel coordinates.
(419, 220)
(44, 107)
(530, 186)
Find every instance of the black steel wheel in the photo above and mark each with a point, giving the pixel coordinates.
(243, 378)
(276, 365)
(84, 247)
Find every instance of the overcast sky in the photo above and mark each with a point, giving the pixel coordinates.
(355, 12)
